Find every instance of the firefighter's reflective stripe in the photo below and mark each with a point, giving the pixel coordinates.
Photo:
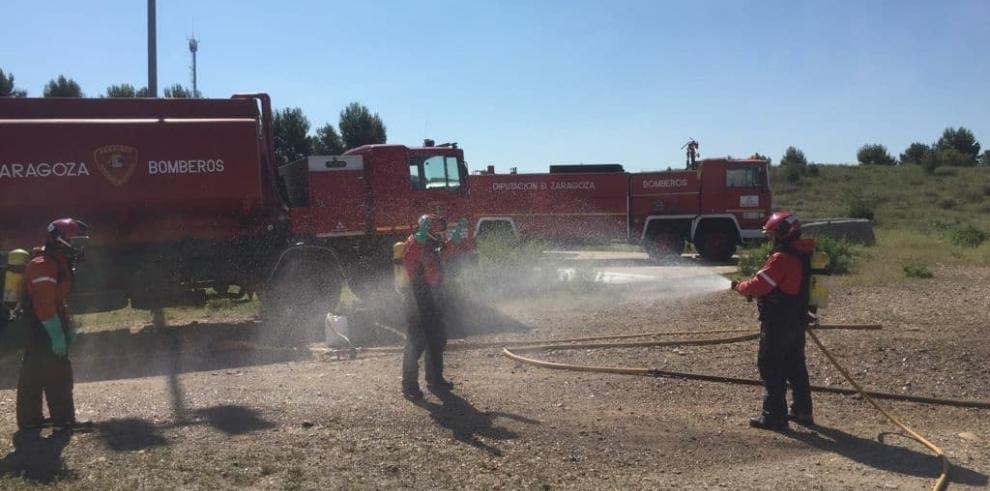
(767, 278)
(44, 279)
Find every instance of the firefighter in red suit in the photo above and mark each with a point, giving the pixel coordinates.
(46, 371)
(426, 249)
(781, 289)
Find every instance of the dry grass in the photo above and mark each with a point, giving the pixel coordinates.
(214, 311)
(897, 248)
(918, 216)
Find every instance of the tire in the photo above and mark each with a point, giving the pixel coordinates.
(715, 243)
(301, 293)
(664, 244)
(496, 231)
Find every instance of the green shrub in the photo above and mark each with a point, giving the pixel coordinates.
(814, 170)
(840, 252)
(948, 204)
(751, 260)
(971, 195)
(216, 304)
(951, 157)
(914, 270)
(985, 189)
(874, 154)
(968, 236)
(792, 173)
(860, 207)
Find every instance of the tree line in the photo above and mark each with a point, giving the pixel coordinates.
(357, 125)
(957, 147)
(63, 86)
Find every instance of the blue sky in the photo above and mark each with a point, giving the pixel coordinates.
(528, 83)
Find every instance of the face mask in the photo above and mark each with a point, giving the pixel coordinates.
(75, 247)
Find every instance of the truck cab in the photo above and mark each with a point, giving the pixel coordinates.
(357, 205)
(375, 190)
(717, 205)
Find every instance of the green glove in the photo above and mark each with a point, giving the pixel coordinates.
(459, 231)
(70, 335)
(54, 328)
(423, 232)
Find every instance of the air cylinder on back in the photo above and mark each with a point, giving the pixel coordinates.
(13, 281)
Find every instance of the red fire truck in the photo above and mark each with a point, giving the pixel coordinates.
(715, 204)
(186, 201)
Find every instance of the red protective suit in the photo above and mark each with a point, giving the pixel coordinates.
(44, 375)
(47, 282)
(423, 262)
(782, 270)
(781, 289)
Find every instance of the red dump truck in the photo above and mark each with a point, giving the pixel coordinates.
(715, 204)
(186, 202)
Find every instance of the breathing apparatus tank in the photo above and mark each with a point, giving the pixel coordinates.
(818, 290)
(399, 276)
(13, 278)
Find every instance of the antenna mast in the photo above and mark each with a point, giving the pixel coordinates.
(193, 48)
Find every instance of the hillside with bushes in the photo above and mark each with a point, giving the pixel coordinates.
(924, 220)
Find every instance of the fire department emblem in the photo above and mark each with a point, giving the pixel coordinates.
(116, 162)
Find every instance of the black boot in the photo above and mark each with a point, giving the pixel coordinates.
(805, 419)
(412, 392)
(81, 426)
(440, 385)
(772, 423)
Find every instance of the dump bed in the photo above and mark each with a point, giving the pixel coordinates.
(139, 170)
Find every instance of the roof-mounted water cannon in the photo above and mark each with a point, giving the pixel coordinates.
(431, 143)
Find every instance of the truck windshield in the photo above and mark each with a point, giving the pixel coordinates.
(434, 172)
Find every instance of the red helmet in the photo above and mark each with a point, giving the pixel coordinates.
(782, 225)
(437, 225)
(68, 235)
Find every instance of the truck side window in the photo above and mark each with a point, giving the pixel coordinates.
(744, 177)
(435, 172)
(416, 174)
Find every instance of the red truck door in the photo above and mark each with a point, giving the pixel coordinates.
(737, 189)
(408, 182)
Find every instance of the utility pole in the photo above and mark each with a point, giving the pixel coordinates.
(152, 51)
(193, 48)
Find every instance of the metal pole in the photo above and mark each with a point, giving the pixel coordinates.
(152, 51)
(195, 90)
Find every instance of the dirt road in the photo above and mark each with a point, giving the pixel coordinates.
(178, 409)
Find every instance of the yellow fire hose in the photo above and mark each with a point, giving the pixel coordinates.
(869, 396)
(943, 479)
(742, 335)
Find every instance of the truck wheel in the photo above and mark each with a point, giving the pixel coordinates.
(664, 243)
(370, 277)
(301, 293)
(496, 231)
(715, 243)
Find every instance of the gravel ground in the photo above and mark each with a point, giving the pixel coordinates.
(176, 410)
